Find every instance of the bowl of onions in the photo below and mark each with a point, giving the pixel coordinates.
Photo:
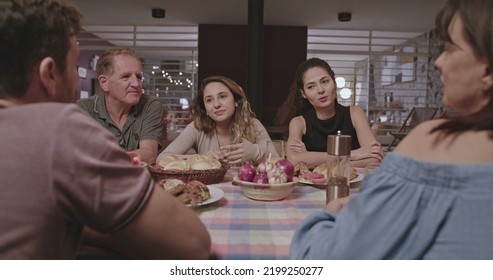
(268, 181)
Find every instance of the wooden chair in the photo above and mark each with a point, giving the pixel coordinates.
(416, 116)
(449, 113)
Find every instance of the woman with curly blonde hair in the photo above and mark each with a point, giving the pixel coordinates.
(223, 125)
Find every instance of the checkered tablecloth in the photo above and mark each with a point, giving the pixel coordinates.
(242, 228)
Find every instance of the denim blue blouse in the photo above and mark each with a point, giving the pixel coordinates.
(408, 209)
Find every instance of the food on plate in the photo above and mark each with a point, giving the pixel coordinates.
(172, 186)
(195, 192)
(322, 169)
(314, 177)
(301, 168)
(353, 174)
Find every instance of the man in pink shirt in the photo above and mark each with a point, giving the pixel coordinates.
(60, 170)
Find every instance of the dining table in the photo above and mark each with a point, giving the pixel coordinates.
(244, 229)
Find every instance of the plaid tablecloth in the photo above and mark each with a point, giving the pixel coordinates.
(242, 228)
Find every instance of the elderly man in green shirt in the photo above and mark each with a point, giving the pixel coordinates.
(134, 118)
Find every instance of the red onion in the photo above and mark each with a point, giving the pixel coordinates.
(246, 172)
(288, 168)
(261, 178)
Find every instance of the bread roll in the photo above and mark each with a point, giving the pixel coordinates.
(179, 164)
(203, 162)
(168, 158)
(196, 157)
(214, 162)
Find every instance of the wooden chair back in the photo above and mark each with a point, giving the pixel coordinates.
(416, 116)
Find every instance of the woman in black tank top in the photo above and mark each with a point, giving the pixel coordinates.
(317, 114)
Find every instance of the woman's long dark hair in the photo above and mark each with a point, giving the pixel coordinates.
(478, 32)
(295, 104)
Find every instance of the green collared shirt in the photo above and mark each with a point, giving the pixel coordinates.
(144, 122)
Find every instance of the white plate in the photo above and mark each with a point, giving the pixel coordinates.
(355, 180)
(358, 178)
(216, 194)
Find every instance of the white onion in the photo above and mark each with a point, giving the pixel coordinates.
(277, 176)
(265, 167)
(288, 168)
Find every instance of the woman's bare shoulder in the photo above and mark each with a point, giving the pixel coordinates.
(419, 139)
(461, 147)
(419, 136)
(298, 120)
(355, 109)
(425, 128)
(297, 126)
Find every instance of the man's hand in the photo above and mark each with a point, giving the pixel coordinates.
(134, 158)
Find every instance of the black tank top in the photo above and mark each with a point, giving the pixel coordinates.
(317, 130)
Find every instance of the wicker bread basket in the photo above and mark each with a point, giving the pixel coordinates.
(208, 176)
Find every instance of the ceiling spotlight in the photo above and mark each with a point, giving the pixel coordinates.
(344, 16)
(158, 13)
(345, 93)
(340, 82)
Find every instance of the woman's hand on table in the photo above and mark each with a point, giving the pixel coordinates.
(337, 204)
(373, 150)
(297, 146)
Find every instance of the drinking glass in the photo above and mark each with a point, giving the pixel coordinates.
(280, 146)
